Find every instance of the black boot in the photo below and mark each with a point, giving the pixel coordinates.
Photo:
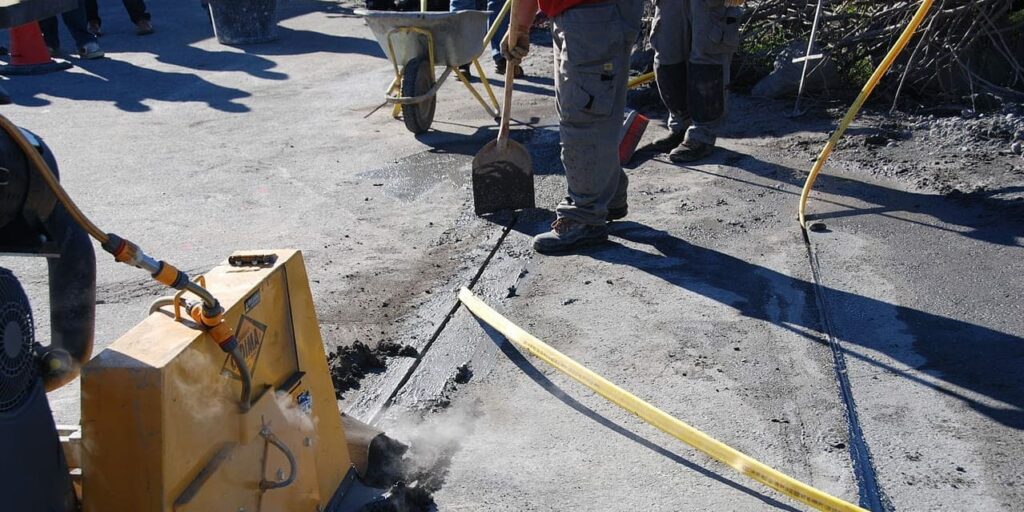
(664, 144)
(706, 91)
(671, 80)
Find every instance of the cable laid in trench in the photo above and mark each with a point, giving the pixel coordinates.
(444, 323)
(871, 496)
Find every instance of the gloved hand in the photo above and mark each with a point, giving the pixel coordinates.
(519, 49)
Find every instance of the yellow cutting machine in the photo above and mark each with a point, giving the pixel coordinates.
(220, 400)
(162, 422)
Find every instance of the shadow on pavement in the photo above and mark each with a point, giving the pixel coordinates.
(974, 358)
(127, 86)
(997, 221)
(541, 380)
(178, 26)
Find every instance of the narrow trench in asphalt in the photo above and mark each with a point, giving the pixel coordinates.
(871, 497)
(444, 323)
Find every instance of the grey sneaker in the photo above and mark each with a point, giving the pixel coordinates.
(691, 152)
(567, 234)
(665, 144)
(90, 50)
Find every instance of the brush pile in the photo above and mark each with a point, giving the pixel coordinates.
(962, 47)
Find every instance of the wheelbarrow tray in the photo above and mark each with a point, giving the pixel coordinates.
(458, 36)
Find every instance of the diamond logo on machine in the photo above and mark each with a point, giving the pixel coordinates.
(249, 334)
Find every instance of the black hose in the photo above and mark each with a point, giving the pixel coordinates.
(243, 372)
(72, 281)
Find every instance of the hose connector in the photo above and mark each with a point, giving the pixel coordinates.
(211, 319)
(126, 251)
(169, 275)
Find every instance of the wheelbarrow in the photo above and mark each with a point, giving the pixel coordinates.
(417, 43)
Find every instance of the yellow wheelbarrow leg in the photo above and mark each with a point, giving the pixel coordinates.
(462, 78)
(393, 89)
(487, 84)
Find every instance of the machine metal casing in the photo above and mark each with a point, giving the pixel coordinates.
(161, 425)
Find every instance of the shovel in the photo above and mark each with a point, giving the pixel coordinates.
(502, 170)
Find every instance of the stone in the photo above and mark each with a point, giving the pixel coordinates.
(784, 80)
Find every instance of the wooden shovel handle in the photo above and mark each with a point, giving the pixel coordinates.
(510, 75)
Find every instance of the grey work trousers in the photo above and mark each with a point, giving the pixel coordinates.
(592, 43)
(694, 34)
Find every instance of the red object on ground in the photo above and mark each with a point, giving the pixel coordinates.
(27, 46)
(29, 54)
(633, 128)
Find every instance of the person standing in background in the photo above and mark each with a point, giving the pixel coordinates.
(74, 20)
(693, 41)
(464, 5)
(495, 7)
(136, 11)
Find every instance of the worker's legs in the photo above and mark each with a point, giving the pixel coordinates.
(51, 32)
(75, 22)
(592, 46)
(670, 38)
(136, 10)
(715, 36)
(92, 12)
(495, 7)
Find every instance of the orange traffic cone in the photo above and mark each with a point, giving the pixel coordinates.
(29, 55)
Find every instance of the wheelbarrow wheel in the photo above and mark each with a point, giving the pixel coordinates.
(417, 79)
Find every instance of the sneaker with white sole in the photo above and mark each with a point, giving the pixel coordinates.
(90, 50)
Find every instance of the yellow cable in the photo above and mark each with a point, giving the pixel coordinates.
(654, 416)
(37, 161)
(865, 92)
(640, 80)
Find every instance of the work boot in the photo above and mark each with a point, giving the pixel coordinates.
(567, 234)
(691, 151)
(501, 65)
(143, 28)
(618, 213)
(666, 143)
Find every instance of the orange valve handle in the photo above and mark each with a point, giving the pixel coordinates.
(212, 320)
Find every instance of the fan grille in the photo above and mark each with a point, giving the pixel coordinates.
(17, 334)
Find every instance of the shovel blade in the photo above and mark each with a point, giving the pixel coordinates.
(502, 178)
